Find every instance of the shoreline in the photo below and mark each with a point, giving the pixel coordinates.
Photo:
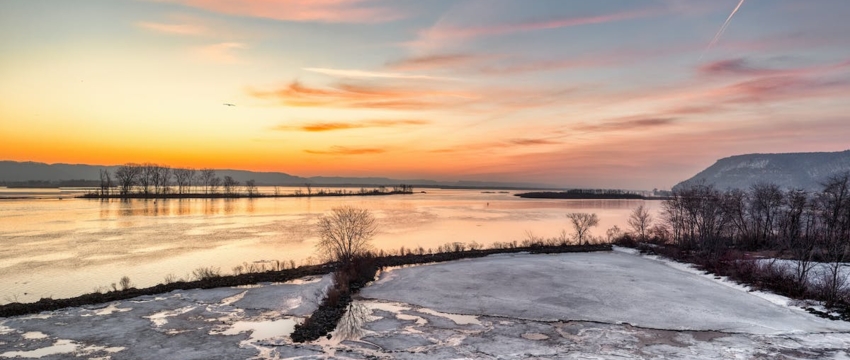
(232, 196)
(48, 304)
(585, 196)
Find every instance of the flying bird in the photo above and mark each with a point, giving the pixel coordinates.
(722, 29)
(229, 104)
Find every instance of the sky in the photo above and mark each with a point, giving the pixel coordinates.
(603, 93)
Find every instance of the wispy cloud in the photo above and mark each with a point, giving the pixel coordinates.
(500, 29)
(175, 29)
(778, 88)
(747, 67)
(351, 73)
(531, 142)
(437, 61)
(329, 11)
(627, 124)
(362, 96)
(441, 33)
(333, 126)
(221, 52)
(344, 150)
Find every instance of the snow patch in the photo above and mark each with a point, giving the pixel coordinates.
(59, 347)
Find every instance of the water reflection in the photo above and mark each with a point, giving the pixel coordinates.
(351, 324)
(229, 206)
(116, 208)
(89, 241)
(249, 206)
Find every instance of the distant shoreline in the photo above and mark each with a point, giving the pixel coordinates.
(587, 196)
(232, 196)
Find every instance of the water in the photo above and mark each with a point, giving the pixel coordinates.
(57, 246)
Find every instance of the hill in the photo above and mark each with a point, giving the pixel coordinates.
(41, 174)
(792, 170)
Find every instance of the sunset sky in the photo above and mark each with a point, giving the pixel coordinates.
(602, 93)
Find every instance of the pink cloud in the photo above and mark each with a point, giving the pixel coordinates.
(440, 34)
(362, 96)
(331, 11)
(746, 67)
(362, 124)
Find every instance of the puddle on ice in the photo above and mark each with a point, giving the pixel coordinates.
(397, 309)
(60, 347)
(262, 330)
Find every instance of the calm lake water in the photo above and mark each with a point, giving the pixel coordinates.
(56, 245)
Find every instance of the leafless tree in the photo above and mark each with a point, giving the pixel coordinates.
(767, 201)
(105, 182)
(183, 178)
(736, 205)
(251, 188)
(801, 230)
(206, 177)
(230, 186)
(613, 233)
(127, 176)
(582, 222)
(309, 189)
(696, 217)
(640, 220)
(147, 177)
(214, 184)
(834, 205)
(162, 179)
(345, 233)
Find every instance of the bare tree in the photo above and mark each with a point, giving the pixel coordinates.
(251, 188)
(582, 222)
(345, 233)
(127, 175)
(162, 179)
(206, 177)
(183, 178)
(309, 189)
(834, 205)
(767, 201)
(214, 184)
(640, 220)
(230, 185)
(105, 182)
(147, 177)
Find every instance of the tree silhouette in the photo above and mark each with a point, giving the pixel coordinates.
(345, 233)
(582, 222)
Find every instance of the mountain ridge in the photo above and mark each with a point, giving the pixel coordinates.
(23, 171)
(804, 170)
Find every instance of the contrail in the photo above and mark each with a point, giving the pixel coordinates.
(722, 29)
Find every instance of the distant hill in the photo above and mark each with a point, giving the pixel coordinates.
(34, 172)
(792, 170)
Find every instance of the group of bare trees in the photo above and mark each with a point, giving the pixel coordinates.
(153, 180)
(807, 226)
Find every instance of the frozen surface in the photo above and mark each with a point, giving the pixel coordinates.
(225, 323)
(618, 305)
(612, 287)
